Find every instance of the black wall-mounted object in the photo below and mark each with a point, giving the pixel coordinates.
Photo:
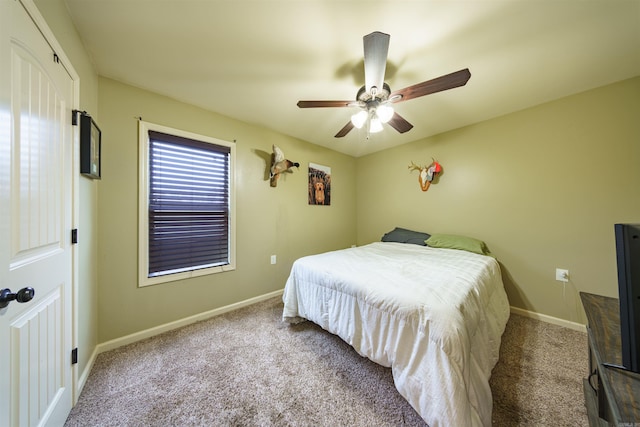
(90, 146)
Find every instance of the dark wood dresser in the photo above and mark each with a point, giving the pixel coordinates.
(612, 395)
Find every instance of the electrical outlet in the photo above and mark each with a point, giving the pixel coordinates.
(562, 275)
(273, 259)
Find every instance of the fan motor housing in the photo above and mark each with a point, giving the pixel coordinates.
(380, 96)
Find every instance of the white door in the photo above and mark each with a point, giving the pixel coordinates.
(36, 152)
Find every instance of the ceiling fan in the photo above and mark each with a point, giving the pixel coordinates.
(375, 98)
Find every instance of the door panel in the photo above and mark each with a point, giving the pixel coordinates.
(36, 336)
(36, 152)
(37, 176)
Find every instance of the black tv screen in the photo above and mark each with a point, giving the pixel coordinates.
(628, 263)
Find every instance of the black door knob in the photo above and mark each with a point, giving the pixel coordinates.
(23, 295)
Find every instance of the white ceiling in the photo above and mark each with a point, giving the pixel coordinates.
(252, 60)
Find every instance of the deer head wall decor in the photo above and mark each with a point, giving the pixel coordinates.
(427, 173)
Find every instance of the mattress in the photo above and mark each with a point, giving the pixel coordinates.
(434, 316)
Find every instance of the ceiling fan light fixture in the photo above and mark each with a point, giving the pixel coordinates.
(359, 119)
(375, 97)
(384, 113)
(375, 125)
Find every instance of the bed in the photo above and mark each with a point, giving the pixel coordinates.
(434, 315)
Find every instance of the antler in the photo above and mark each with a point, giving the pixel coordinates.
(415, 167)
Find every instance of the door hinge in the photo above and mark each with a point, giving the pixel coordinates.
(74, 356)
(74, 236)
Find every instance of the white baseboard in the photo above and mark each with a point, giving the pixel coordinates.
(119, 342)
(85, 373)
(549, 319)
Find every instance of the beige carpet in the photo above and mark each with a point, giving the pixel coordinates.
(247, 368)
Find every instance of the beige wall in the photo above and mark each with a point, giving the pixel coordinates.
(270, 221)
(58, 20)
(543, 187)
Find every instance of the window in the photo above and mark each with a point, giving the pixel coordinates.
(186, 214)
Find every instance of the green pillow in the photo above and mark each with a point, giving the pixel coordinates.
(451, 241)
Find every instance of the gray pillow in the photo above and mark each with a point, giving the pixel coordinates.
(402, 235)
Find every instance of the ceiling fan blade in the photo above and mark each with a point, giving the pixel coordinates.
(376, 48)
(399, 123)
(345, 130)
(316, 104)
(449, 81)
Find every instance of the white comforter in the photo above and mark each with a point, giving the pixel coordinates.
(435, 316)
